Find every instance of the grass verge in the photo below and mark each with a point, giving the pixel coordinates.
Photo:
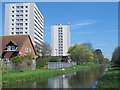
(20, 77)
(110, 79)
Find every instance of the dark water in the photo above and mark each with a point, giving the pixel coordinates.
(83, 79)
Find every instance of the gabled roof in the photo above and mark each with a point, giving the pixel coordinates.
(16, 39)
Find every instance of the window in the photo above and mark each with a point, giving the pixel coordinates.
(21, 32)
(21, 24)
(17, 6)
(26, 6)
(12, 28)
(17, 33)
(10, 48)
(12, 33)
(12, 15)
(21, 15)
(12, 19)
(26, 19)
(17, 11)
(17, 15)
(21, 28)
(25, 32)
(27, 50)
(12, 11)
(12, 24)
(17, 24)
(26, 28)
(26, 10)
(17, 28)
(21, 11)
(25, 23)
(21, 6)
(13, 7)
(21, 19)
(17, 19)
(26, 15)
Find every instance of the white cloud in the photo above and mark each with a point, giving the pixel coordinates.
(83, 23)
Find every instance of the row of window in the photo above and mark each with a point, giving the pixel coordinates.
(12, 48)
(20, 24)
(20, 15)
(18, 33)
(60, 28)
(20, 28)
(20, 11)
(19, 7)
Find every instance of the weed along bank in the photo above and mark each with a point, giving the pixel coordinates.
(39, 74)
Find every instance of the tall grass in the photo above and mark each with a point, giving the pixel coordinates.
(19, 77)
(110, 79)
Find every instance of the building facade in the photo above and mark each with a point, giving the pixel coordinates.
(60, 37)
(25, 19)
(17, 45)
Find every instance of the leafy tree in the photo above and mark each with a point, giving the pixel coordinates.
(106, 60)
(46, 49)
(116, 56)
(99, 55)
(80, 54)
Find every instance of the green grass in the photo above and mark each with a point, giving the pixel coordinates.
(110, 79)
(19, 77)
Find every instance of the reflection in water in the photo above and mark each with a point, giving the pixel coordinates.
(82, 79)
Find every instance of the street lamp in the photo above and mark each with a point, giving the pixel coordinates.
(56, 52)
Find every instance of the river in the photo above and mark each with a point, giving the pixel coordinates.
(83, 79)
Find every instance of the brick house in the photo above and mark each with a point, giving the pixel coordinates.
(17, 45)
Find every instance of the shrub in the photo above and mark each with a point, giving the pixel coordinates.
(42, 62)
(17, 59)
(55, 59)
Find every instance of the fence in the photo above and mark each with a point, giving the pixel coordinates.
(60, 64)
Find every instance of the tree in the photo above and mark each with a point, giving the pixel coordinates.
(46, 49)
(98, 54)
(116, 56)
(37, 49)
(106, 60)
(80, 54)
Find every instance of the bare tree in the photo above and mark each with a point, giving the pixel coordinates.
(46, 49)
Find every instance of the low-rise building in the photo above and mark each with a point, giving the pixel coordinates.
(17, 45)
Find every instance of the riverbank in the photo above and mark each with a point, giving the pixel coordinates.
(20, 77)
(110, 79)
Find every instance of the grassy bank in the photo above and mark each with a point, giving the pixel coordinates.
(110, 79)
(19, 77)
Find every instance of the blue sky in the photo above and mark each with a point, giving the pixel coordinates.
(90, 22)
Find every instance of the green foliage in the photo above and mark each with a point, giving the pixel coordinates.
(80, 53)
(17, 59)
(28, 56)
(110, 79)
(42, 62)
(98, 54)
(54, 59)
(106, 60)
(116, 56)
(22, 63)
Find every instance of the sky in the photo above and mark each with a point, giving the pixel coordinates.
(94, 22)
